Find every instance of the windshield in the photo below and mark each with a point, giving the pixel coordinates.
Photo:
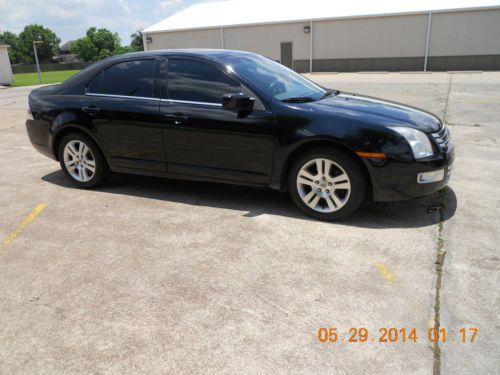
(279, 81)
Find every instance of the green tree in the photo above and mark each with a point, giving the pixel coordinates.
(85, 49)
(136, 42)
(125, 49)
(46, 50)
(15, 53)
(96, 45)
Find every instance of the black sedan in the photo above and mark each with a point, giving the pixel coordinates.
(239, 118)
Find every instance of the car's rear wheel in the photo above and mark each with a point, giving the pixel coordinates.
(82, 161)
(327, 184)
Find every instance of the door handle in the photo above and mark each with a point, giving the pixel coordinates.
(90, 110)
(177, 118)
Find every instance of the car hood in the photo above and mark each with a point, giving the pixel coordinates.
(386, 112)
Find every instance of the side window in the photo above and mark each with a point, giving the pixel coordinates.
(198, 82)
(129, 78)
(96, 84)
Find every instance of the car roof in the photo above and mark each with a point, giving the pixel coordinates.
(193, 52)
(76, 83)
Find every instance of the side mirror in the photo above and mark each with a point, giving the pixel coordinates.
(242, 102)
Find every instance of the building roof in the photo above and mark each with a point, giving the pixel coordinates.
(243, 12)
(66, 47)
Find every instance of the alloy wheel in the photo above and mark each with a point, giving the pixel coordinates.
(323, 185)
(79, 161)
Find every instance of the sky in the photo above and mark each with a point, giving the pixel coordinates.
(70, 19)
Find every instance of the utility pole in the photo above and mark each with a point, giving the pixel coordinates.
(35, 42)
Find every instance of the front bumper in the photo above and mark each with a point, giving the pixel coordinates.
(396, 181)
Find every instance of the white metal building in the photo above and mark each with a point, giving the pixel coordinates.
(5, 68)
(326, 35)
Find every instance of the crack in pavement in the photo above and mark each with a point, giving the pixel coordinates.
(440, 252)
(440, 257)
(445, 112)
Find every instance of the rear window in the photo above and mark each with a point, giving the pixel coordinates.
(129, 78)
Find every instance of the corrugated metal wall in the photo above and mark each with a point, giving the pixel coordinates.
(266, 39)
(186, 39)
(401, 36)
(465, 40)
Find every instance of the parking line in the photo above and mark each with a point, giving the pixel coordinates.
(385, 272)
(22, 225)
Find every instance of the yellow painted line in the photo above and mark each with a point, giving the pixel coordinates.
(385, 272)
(22, 225)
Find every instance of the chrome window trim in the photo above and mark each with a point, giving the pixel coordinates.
(121, 96)
(155, 99)
(191, 102)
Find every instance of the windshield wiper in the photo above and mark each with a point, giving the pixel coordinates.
(298, 99)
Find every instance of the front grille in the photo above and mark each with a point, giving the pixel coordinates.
(442, 139)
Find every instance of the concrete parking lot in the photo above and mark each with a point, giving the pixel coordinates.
(155, 276)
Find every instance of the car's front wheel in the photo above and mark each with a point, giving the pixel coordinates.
(82, 161)
(327, 184)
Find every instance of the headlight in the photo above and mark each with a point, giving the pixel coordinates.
(419, 142)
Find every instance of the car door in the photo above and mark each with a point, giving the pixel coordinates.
(123, 108)
(203, 139)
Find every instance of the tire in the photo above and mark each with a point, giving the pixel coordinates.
(333, 193)
(87, 169)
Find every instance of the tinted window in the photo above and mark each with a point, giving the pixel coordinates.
(96, 84)
(198, 82)
(130, 78)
